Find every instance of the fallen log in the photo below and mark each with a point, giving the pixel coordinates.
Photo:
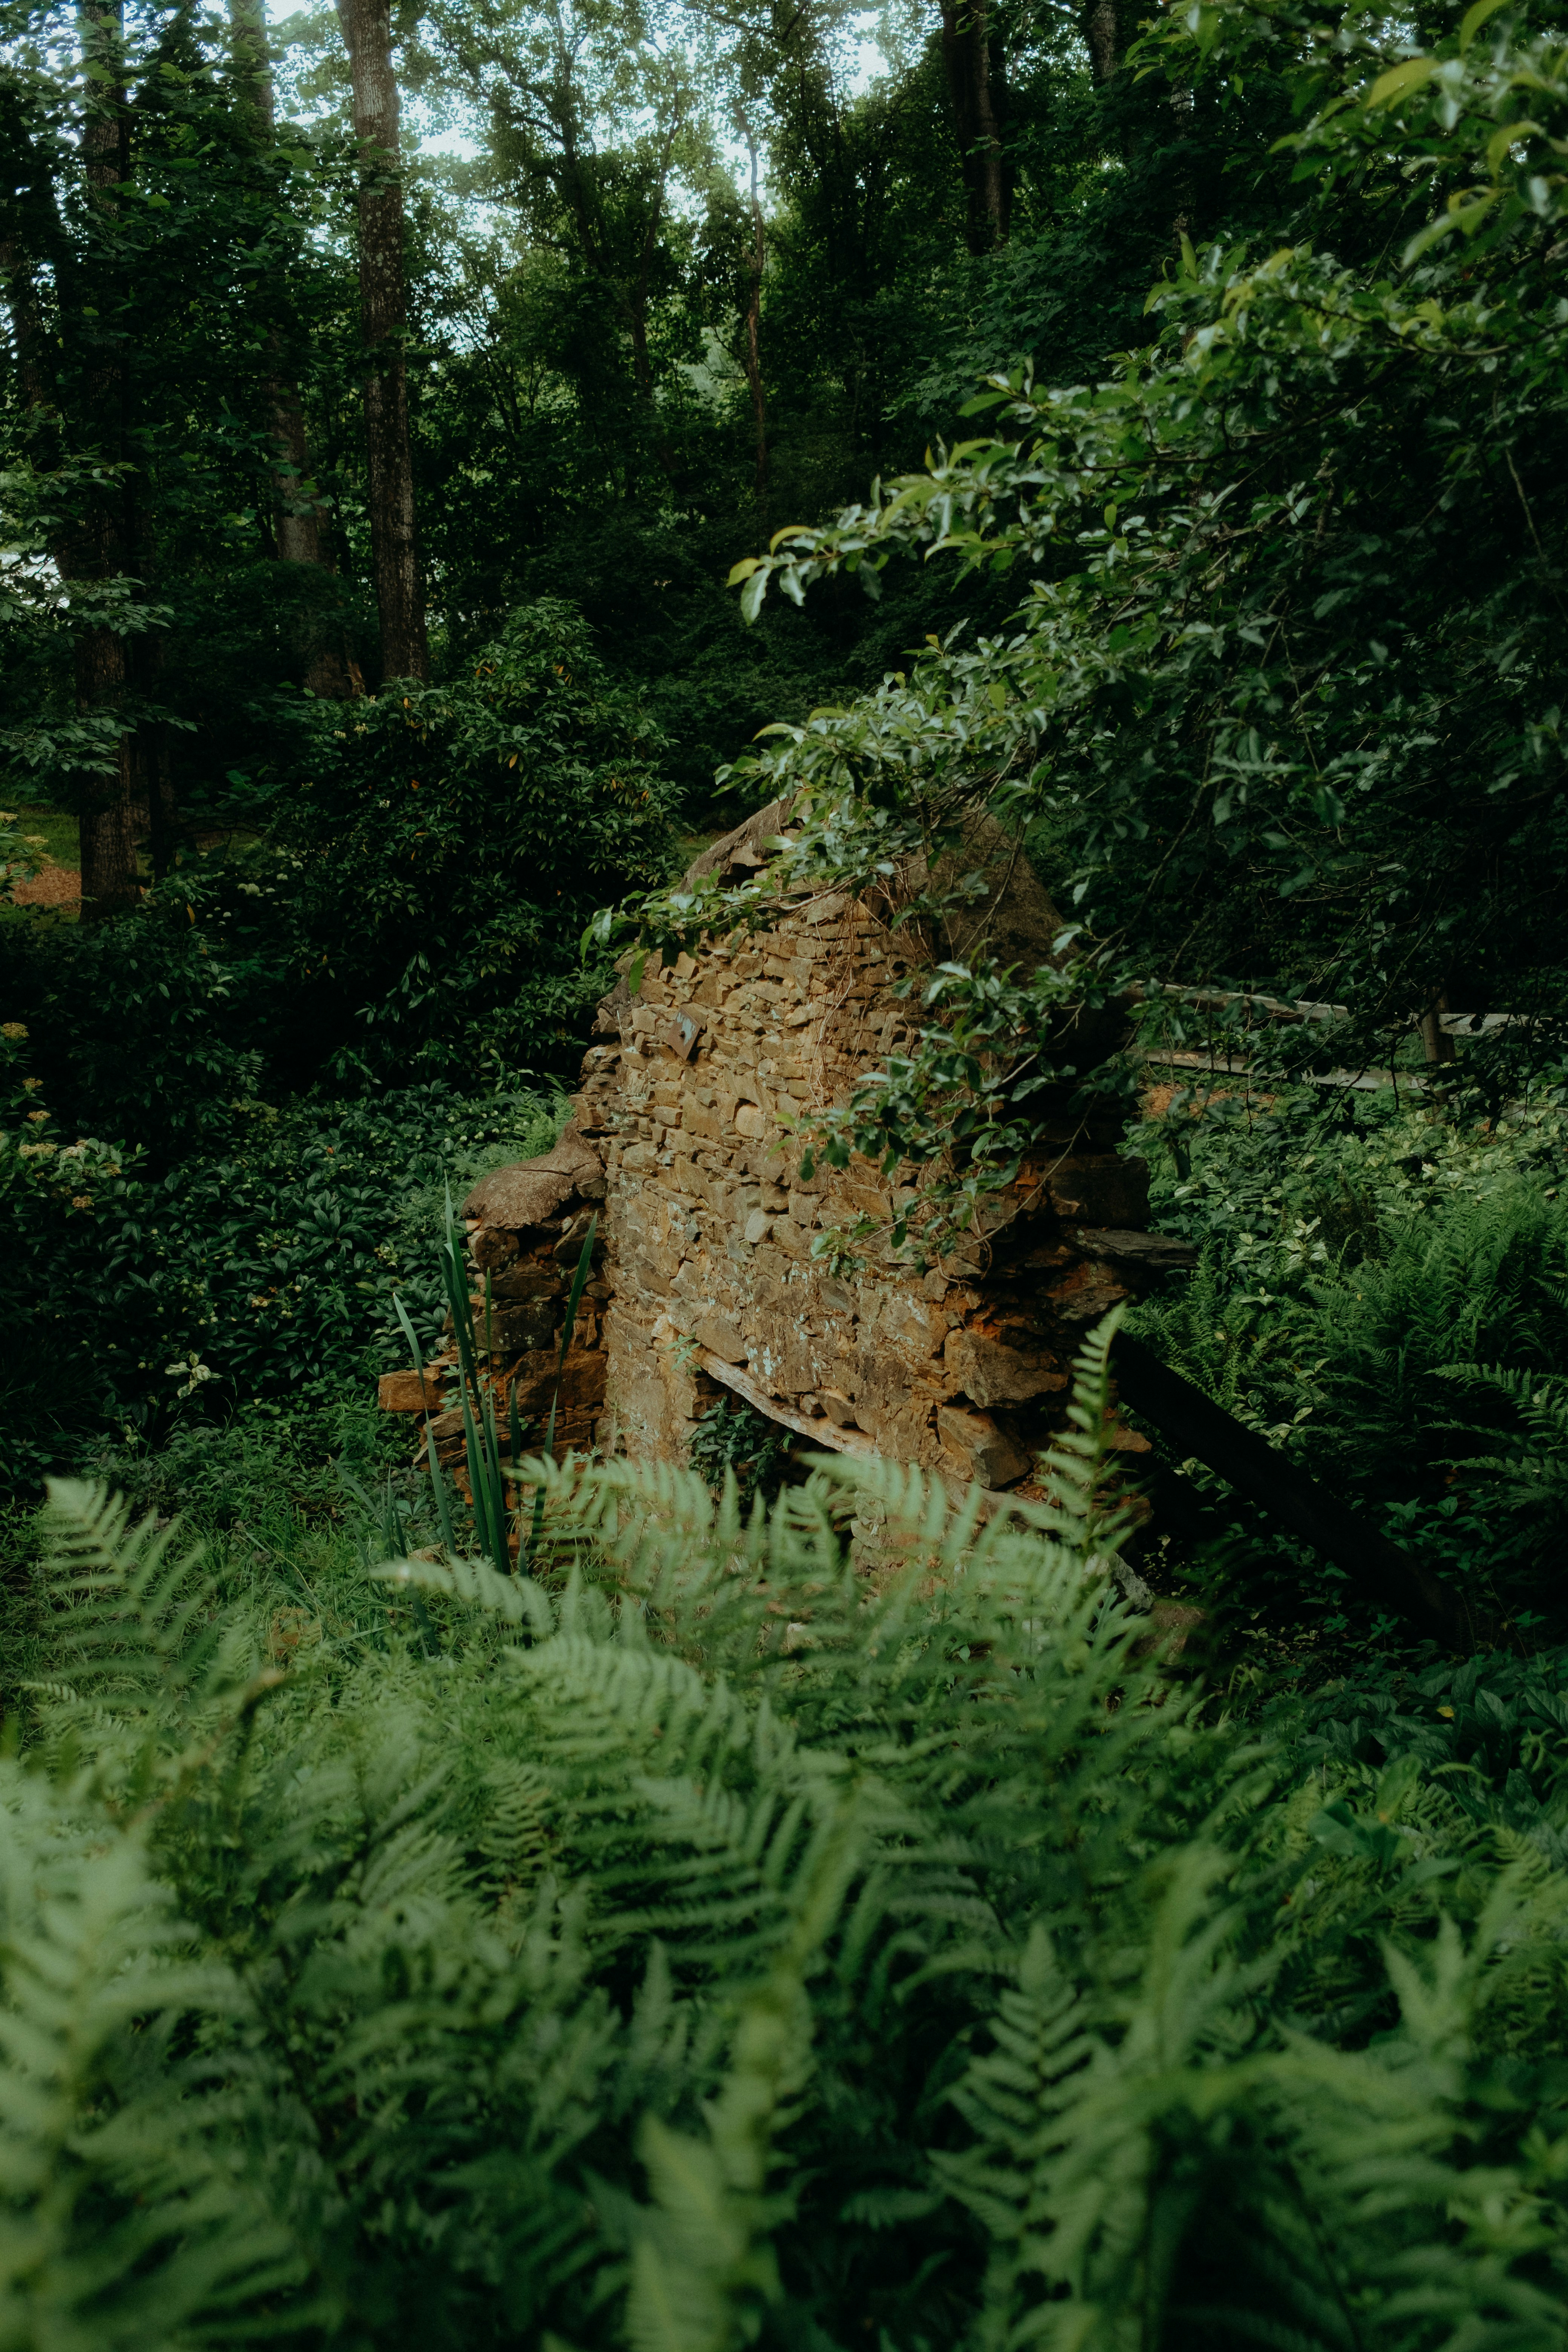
(1196, 1426)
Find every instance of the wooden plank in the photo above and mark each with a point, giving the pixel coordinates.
(1368, 1081)
(1194, 1424)
(823, 1431)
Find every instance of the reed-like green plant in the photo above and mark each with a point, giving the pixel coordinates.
(497, 1521)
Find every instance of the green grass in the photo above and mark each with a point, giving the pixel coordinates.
(60, 829)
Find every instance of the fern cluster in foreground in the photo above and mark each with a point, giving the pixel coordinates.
(703, 1945)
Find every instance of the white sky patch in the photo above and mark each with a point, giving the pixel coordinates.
(431, 132)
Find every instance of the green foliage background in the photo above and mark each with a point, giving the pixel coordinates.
(836, 1920)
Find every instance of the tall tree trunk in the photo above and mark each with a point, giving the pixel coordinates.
(384, 315)
(100, 545)
(1102, 31)
(1436, 1042)
(300, 521)
(978, 89)
(757, 261)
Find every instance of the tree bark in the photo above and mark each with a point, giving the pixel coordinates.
(1437, 1043)
(300, 518)
(100, 545)
(1102, 31)
(977, 88)
(384, 317)
(757, 261)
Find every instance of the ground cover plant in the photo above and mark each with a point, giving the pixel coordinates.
(694, 1944)
(1381, 1291)
(259, 1278)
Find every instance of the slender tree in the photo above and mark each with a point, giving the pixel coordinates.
(383, 318)
(755, 262)
(972, 59)
(301, 519)
(553, 80)
(100, 547)
(1102, 32)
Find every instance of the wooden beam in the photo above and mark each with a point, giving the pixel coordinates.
(823, 1431)
(1196, 1425)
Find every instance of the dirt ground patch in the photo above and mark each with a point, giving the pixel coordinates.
(56, 886)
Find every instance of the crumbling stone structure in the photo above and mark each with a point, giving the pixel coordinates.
(686, 1140)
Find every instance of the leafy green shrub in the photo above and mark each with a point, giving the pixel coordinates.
(695, 1948)
(456, 842)
(1352, 1343)
(734, 1439)
(262, 1276)
(136, 1025)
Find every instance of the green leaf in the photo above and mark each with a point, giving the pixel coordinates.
(1474, 17)
(1400, 80)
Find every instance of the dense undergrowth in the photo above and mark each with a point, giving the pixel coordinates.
(703, 1945)
(1382, 1291)
(252, 1279)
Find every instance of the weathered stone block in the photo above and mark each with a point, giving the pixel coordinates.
(411, 1392)
(721, 1339)
(985, 1454)
(492, 1246)
(509, 1330)
(530, 1279)
(989, 1372)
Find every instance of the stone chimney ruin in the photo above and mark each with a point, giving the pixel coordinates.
(686, 1144)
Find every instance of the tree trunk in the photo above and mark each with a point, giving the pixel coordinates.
(383, 313)
(100, 545)
(977, 88)
(299, 514)
(1103, 34)
(755, 262)
(1437, 1043)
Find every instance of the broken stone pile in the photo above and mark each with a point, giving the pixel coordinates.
(688, 1128)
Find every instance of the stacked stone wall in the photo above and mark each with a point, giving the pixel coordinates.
(717, 1274)
(715, 1268)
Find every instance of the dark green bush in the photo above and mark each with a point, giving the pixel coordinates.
(457, 840)
(145, 1027)
(1355, 1263)
(262, 1275)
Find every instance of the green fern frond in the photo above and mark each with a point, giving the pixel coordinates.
(140, 1627)
(125, 2221)
(516, 1600)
